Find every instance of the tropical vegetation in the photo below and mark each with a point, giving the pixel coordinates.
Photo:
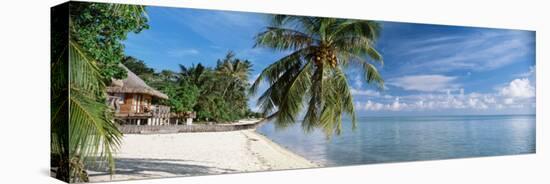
(312, 78)
(216, 94)
(93, 51)
(310, 82)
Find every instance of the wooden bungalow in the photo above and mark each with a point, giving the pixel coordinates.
(133, 102)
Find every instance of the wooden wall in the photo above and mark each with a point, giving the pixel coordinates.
(129, 102)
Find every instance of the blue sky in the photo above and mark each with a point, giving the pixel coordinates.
(428, 69)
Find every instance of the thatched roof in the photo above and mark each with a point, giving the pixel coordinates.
(133, 84)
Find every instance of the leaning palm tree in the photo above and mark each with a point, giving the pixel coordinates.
(311, 79)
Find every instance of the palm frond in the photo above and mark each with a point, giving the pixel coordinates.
(375, 55)
(283, 39)
(292, 97)
(305, 23)
(311, 118)
(358, 28)
(357, 48)
(273, 96)
(92, 133)
(274, 71)
(84, 73)
(370, 73)
(342, 86)
(312, 75)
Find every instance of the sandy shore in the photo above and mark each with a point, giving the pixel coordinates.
(190, 154)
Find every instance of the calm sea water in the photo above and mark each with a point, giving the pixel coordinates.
(397, 139)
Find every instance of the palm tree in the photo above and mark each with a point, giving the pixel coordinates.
(235, 71)
(195, 74)
(78, 96)
(313, 74)
(92, 133)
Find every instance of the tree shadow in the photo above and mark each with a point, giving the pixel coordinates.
(143, 168)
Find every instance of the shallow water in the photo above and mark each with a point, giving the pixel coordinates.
(397, 139)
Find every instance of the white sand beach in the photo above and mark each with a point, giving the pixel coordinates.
(145, 156)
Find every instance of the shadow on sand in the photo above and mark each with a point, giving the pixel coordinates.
(143, 168)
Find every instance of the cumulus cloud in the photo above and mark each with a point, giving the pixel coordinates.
(516, 94)
(425, 83)
(377, 106)
(476, 103)
(396, 105)
(370, 106)
(518, 88)
(508, 101)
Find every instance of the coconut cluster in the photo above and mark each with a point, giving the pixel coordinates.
(326, 55)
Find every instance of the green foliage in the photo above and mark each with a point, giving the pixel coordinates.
(137, 66)
(92, 134)
(59, 91)
(311, 79)
(233, 74)
(216, 94)
(214, 108)
(94, 51)
(183, 95)
(100, 27)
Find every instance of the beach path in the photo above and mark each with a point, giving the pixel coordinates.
(145, 156)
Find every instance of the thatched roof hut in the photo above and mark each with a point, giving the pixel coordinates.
(133, 84)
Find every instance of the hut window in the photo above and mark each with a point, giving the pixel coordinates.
(134, 103)
(121, 97)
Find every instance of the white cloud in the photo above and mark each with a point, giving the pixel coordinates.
(369, 106)
(420, 104)
(425, 83)
(532, 71)
(489, 99)
(396, 105)
(508, 101)
(480, 51)
(518, 88)
(364, 92)
(517, 94)
(476, 103)
(376, 106)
